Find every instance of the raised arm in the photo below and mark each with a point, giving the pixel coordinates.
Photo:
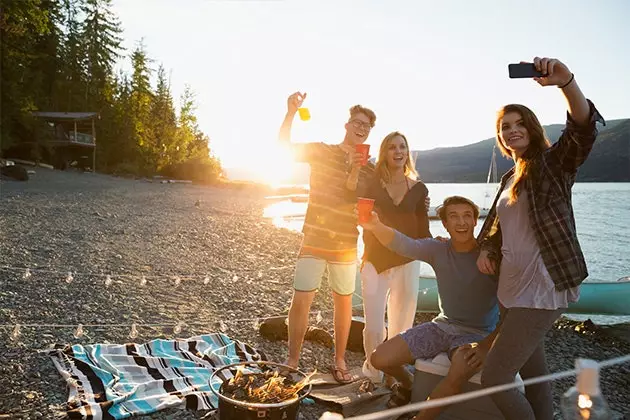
(293, 103)
(417, 249)
(580, 133)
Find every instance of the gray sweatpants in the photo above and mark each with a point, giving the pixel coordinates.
(519, 347)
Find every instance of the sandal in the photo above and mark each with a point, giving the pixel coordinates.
(342, 376)
(400, 396)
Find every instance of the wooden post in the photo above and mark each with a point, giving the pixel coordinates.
(94, 149)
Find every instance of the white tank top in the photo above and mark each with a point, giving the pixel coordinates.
(524, 281)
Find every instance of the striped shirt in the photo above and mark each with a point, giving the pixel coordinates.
(548, 187)
(330, 225)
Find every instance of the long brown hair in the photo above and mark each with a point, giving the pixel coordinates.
(381, 164)
(538, 143)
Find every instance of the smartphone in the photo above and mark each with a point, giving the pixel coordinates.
(523, 70)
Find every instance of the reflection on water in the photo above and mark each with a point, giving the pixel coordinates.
(286, 214)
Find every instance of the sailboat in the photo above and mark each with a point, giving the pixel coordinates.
(493, 178)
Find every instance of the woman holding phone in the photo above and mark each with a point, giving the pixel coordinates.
(390, 281)
(530, 236)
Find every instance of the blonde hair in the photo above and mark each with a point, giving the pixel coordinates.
(381, 164)
(360, 109)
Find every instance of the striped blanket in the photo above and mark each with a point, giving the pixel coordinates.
(114, 381)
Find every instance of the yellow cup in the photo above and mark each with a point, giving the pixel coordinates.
(305, 114)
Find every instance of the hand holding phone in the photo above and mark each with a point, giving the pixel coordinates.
(523, 70)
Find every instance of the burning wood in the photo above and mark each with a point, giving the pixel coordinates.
(269, 387)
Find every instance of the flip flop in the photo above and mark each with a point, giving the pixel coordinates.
(340, 375)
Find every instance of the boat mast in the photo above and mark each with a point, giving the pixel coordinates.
(492, 170)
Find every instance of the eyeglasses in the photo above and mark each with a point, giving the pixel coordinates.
(361, 124)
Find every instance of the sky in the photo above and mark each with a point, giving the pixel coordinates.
(436, 71)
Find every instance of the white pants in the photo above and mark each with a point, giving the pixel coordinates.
(396, 289)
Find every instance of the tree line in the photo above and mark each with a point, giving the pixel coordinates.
(61, 55)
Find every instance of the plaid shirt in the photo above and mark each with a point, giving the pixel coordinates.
(548, 186)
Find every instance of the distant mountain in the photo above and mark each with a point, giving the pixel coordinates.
(609, 160)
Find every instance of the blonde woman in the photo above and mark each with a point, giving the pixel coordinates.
(388, 279)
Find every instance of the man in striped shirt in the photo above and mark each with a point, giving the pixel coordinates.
(330, 228)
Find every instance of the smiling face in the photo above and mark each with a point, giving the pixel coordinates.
(358, 129)
(397, 153)
(460, 222)
(513, 134)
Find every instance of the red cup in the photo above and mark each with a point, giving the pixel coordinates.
(365, 207)
(364, 149)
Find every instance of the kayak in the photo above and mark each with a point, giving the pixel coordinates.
(596, 298)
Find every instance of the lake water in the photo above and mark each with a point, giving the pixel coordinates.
(602, 216)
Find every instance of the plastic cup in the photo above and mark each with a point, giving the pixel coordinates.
(305, 114)
(365, 207)
(364, 149)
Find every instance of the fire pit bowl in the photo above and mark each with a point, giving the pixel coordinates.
(237, 409)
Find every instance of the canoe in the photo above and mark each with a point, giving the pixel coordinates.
(596, 298)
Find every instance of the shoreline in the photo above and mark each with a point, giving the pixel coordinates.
(99, 224)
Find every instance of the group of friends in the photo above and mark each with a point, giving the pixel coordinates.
(499, 292)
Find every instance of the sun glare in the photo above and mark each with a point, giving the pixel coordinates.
(275, 165)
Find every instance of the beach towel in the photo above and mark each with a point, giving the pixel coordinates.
(116, 381)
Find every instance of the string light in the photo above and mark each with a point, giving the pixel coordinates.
(108, 280)
(178, 328)
(143, 280)
(319, 318)
(256, 324)
(27, 274)
(15, 334)
(206, 280)
(134, 331)
(177, 281)
(222, 326)
(69, 277)
(78, 333)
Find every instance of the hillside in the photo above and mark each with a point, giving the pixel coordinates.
(609, 161)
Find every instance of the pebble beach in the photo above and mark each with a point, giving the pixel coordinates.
(210, 263)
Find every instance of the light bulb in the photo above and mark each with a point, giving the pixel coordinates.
(206, 280)
(27, 274)
(222, 326)
(108, 280)
(16, 332)
(178, 281)
(69, 277)
(134, 331)
(78, 333)
(178, 328)
(319, 318)
(143, 281)
(585, 400)
(331, 416)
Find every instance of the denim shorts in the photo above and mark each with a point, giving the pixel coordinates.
(427, 340)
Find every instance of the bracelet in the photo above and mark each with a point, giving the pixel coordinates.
(567, 83)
